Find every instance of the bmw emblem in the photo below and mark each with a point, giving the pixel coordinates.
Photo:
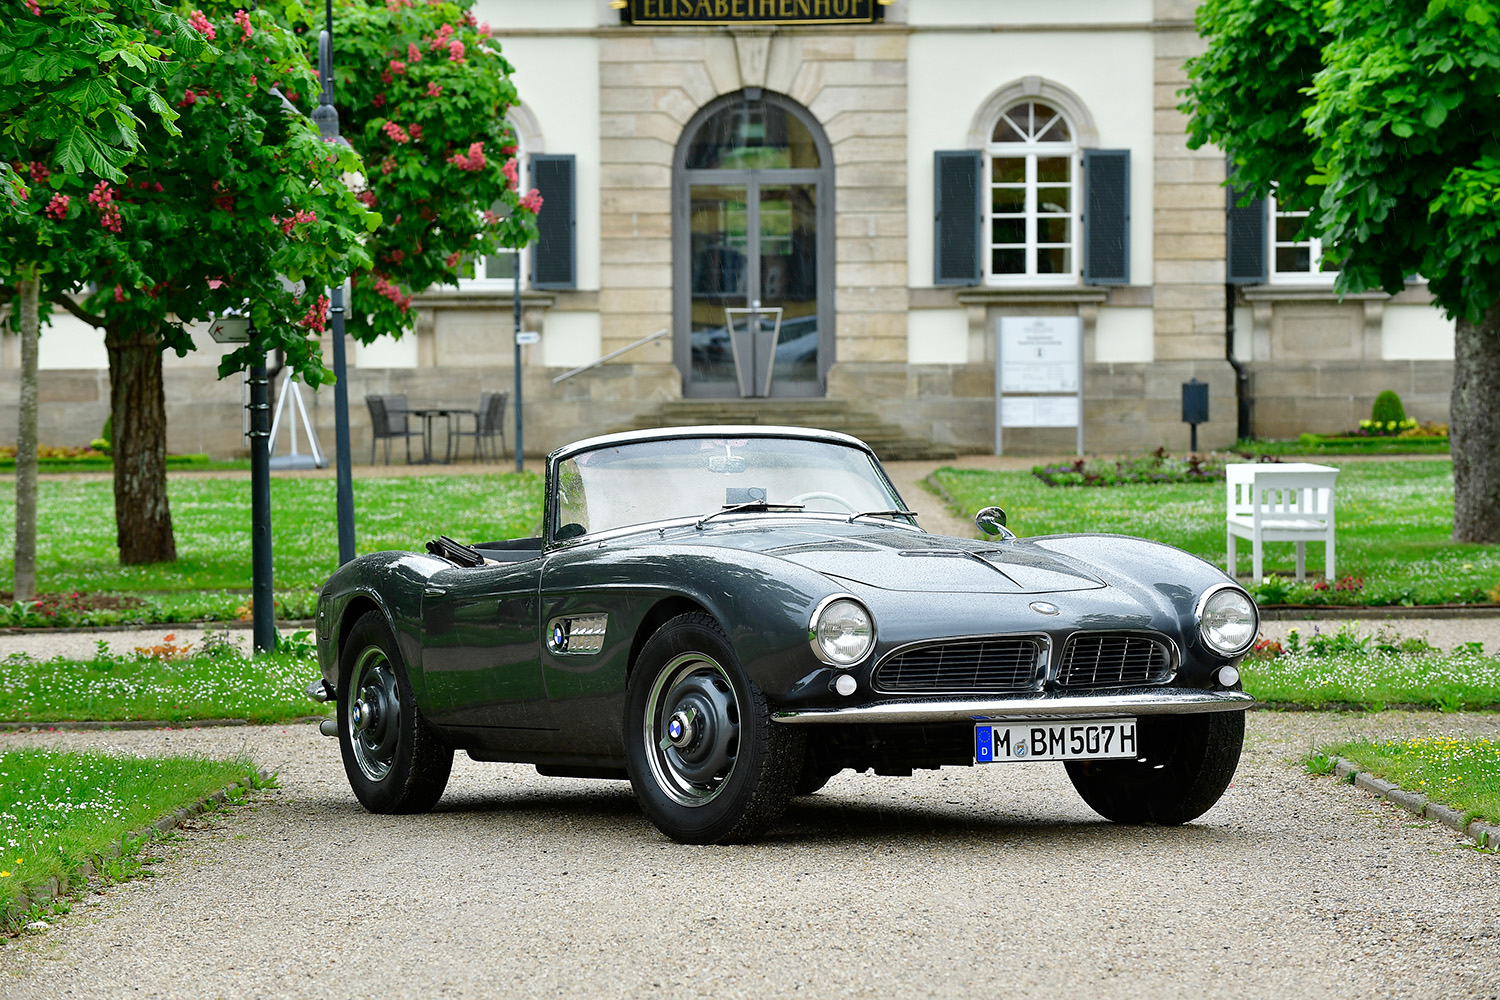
(674, 729)
(559, 637)
(1044, 607)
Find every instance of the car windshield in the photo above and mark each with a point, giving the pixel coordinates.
(644, 481)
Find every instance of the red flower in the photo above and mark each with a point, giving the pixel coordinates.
(413, 54)
(119, 294)
(379, 100)
(396, 132)
(441, 38)
(434, 90)
(57, 208)
(511, 173)
(456, 51)
(397, 67)
(243, 20)
(31, 5)
(532, 201)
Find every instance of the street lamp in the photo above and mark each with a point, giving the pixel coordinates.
(326, 117)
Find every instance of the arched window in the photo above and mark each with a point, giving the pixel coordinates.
(1033, 232)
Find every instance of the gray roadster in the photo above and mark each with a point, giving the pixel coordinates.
(729, 616)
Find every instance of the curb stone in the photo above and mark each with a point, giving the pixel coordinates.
(88, 726)
(1483, 834)
(50, 890)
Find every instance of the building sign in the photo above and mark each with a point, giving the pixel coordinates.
(1038, 374)
(752, 12)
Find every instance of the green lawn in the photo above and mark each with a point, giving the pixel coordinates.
(1395, 520)
(59, 810)
(76, 548)
(1463, 774)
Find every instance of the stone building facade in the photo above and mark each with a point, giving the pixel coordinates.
(865, 168)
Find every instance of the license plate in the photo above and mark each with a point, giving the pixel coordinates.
(1084, 739)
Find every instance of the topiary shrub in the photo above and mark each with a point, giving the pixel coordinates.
(1388, 409)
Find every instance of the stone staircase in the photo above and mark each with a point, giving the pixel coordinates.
(891, 442)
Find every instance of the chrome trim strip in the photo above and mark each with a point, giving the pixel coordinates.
(1036, 685)
(1198, 618)
(1129, 702)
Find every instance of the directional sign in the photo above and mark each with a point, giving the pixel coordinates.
(528, 337)
(230, 330)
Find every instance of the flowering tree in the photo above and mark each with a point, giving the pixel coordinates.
(1378, 117)
(423, 91)
(206, 217)
(74, 86)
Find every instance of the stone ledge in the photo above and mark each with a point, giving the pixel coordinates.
(1482, 834)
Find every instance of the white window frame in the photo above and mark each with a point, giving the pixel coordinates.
(1032, 151)
(1315, 275)
(481, 284)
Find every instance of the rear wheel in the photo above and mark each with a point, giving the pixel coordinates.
(706, 761)
(395, 761)
(1186, 763)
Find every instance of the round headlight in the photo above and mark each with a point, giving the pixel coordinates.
(1228, 621)
(842, 632)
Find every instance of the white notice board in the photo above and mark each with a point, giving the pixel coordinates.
(1038, 374)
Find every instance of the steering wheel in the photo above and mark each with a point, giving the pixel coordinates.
(825, 495)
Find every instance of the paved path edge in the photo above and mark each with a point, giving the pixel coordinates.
(53, 889)
(1483, 834)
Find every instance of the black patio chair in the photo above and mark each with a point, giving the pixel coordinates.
(389, 419)
(489, 425)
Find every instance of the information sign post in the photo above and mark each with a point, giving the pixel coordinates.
(1038, 374)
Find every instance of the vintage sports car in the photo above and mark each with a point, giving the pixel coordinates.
(729, 616)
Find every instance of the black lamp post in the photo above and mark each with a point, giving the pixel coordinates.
(326, 117)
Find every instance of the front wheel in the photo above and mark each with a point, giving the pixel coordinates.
(1186, 763)
(706, 761)
(395, 761)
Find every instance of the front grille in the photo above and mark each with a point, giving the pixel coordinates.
(970, 665)
(1114, 660)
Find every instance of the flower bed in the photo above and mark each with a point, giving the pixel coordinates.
(1155, 467)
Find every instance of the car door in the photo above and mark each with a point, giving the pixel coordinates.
(481, 647)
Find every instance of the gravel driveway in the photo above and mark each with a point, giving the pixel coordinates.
(960, 883)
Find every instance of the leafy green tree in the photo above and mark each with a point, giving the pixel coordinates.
(1379, 118)
(209, 216)
(423, 91)
(75, 81)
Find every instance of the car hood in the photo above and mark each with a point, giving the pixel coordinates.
(889, 558)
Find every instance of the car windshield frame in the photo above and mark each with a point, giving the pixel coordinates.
(625, 483)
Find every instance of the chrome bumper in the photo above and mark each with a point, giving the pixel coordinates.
(1128, 702)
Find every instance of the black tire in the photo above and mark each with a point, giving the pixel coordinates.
(395, 761)
(1186, 763)
(731, 770)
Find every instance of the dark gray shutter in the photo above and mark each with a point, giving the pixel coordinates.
(555, 255)
(1246, 239)
(1106, 216)
(956, 217)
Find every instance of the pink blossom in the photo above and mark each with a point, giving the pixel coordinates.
(295, 219)
(434, 89)
(390, 291)
(397, 67)
(388, 164)
(511, 173)
(484, 29)
(243, 20)
(57, 208)
(473, 161)
(103, 198)
(316, 318)
(40, 172)
(395, 5)
(455, 51)
(441, 38)
(453, 258)
(199, 21)
(385, 77)
(119, 294)
(532, 201)
(416, 130)
(396, 133)
(368, 197)
(188, 99)
(31, 5)
(379, 100)
(413, 54)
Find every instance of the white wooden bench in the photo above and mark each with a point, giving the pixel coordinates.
(1291, 502)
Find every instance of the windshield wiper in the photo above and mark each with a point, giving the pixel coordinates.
(730, 508)
(882, 513)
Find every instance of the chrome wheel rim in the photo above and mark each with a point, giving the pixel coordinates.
(692, 729)
(373, 719)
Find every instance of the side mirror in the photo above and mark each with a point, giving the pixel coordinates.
(991, 521)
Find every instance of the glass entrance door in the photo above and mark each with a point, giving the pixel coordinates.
(754, 270)
(752, 275)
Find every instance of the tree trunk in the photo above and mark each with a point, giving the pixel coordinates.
(137, 403)
(1474, 429)
(26, 442)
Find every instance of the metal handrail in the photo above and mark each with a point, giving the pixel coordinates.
(610, 356)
